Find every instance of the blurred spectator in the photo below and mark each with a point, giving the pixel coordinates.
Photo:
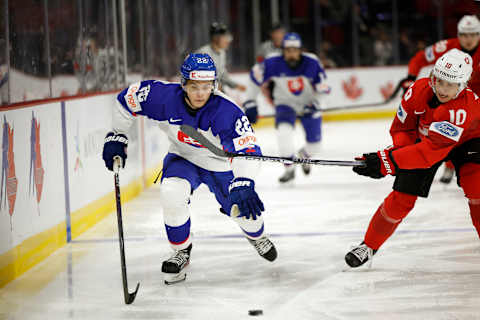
(95, 67)
(220, 39)
(3, 73)
(382, 48)
(27, 36)
(326, 55)
(406, 47)
(274, 45)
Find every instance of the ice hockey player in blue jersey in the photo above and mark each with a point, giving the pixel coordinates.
(196, 102)
(297, 79)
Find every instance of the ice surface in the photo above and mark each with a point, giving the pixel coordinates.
(429, 269)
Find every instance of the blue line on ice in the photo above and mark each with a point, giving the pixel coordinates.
(282, 235)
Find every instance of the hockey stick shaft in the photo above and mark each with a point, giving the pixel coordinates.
(339, 108)
(189, 130)
(129, 297)
(395, 92)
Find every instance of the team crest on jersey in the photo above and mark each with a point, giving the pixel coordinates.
(447, 129)
(295, 86)
(183, 137)
(401, 113)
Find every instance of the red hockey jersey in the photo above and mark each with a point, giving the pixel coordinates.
(439, 129)
(430, 55)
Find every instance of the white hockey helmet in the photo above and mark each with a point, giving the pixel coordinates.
(454, 66)
(468, 24)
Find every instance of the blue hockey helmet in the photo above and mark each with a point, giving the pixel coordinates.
(292, 40)
(198, 66)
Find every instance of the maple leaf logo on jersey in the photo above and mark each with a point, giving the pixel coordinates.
(183, 137)
(387, 90)
(351, 88)
(295, 86)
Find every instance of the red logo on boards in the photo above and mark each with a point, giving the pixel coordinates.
(351, 88)
(9, 182)
(387, 90)
(36, 169)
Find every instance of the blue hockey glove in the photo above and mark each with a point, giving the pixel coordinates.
(115, 145)
(251, 110)
(242, 193)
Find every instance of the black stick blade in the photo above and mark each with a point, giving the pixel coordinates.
(131, 296)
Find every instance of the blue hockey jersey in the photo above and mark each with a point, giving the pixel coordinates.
(220, 120)
(296, 88)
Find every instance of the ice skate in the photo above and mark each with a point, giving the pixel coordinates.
(359, 255)
(289, 174)
(304, 155)
(174, 268)
(447, 175)
(264, 247)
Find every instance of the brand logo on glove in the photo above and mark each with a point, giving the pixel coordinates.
(386, 164)
(116, 138)
(239, 184)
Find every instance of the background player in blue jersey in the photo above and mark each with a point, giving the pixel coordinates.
(188, 164)
(297, 84)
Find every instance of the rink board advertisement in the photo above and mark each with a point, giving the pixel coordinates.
(32, 184)
(89, 180)
(42, 204)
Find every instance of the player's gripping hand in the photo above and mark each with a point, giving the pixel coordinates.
(377, 164)
(115, 145)
(251, 110)
(310, 110)
(242, 193)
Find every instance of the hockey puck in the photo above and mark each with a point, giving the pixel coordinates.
(256, 312)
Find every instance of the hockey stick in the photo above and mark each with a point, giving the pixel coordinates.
(339, 108)
(189, 130)
(357, 106)
(129, 297)
(395, 92)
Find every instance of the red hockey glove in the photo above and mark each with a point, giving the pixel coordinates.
(377, 164)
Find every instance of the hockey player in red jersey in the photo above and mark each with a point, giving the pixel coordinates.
(437, 120)
(468, 38)
(468, 30)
